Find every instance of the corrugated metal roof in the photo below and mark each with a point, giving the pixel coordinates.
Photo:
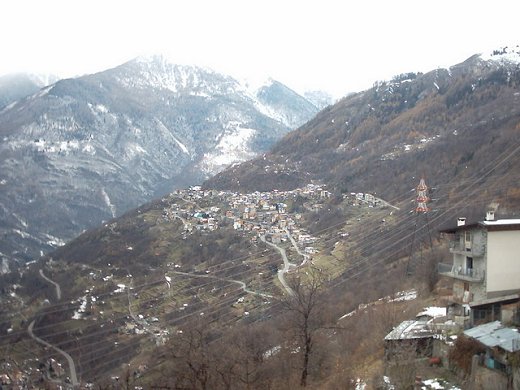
(410, 330)
(493, 334)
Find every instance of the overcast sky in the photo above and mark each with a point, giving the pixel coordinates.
(339, 46)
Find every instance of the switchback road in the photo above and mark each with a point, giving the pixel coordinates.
(286, 266)
(70, 361)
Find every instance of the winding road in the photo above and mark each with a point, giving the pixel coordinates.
(56, 285)
(70, 361)
(293, 242)
(239, 282)
(286, 266)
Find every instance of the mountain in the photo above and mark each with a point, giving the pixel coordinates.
(19, 85)
(320, 99)
(202, 269)
(285, 104)
(446, 125)
(84, 150)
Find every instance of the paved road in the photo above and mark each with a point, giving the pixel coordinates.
(56, 285)
(72, 367)
(286, 266)
(239, 282)
(293, 242)
(70, 361)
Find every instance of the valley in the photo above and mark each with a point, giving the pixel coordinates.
(133, 305)
(84, 150)
(302, 266)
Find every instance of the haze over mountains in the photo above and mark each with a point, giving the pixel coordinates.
(84, 150)
(219, 253)
(20, 85)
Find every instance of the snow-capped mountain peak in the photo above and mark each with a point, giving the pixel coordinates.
(97, 145)
(158, 71)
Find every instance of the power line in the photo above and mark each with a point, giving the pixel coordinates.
(445, 211)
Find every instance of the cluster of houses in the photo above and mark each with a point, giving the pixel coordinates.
(21, 377)
(357, 198)
(262, 213)
(484, 305)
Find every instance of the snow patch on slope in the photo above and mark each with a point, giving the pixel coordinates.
(181, 145)
(166, 133)
(251, 90)
(78, 314)
(232, 147)
(4, 266)
(273, 113)
(506, 54)
(133, 149)
(108, 202)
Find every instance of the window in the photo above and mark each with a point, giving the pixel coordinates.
(469, 264)
(467, 239)
(481, 315)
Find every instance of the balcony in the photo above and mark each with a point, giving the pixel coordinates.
(469, 274)
(472, 250)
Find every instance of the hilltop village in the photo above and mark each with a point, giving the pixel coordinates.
(272, 215)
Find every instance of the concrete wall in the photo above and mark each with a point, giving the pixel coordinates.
(509, 313)
(503, 261)
(474, 248)
(477, 290)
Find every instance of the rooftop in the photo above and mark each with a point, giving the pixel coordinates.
(493, 334)
(411, 329)
(499, 224)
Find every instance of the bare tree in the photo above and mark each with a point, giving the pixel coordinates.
(191, 361)
(304, 308)
(240, 361)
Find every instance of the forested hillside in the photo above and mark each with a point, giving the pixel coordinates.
(383, 140)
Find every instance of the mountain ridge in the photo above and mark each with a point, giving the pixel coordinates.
(414, 124)
(172, 267)
(85, 149)
(15, 86)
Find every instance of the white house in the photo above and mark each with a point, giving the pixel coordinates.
(486, 266)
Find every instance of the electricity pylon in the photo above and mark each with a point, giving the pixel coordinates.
(421, 238)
